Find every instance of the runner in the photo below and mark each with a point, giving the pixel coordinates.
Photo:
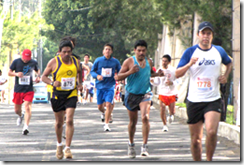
(166, 91)
(64, 69)
(204, 101)
(103, 70)
(87, 76)
(22, 69)
(138, 70)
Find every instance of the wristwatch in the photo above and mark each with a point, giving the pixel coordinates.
(52, 83)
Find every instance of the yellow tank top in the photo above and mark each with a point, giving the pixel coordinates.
(67, 75)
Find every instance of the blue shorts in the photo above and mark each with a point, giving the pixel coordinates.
(105, 95)
(132, 101)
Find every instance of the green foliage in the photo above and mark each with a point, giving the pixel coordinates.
(181, 104)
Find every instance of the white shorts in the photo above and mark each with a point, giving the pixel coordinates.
(87, 85)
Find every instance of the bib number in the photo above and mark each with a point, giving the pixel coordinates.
(68, 83)
(204, 84)
(25, 80)
(106, 72)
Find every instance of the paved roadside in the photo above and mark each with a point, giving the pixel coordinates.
(91, 143)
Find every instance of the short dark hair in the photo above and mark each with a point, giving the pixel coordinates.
(167, 56)
(65, 43)
(110, 45)
(70, 39)
(140, 43)
(87, 55)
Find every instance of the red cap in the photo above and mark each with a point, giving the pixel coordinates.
(26, 54)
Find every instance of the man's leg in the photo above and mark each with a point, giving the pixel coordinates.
(145, 120)
(172, 108)
(69, 125)
(163, 112)
(196, 133)
(133, 117)
(28, 106)
(17, 109)
(2, 93)
(109, 109)
(212, 119)
(59, 117)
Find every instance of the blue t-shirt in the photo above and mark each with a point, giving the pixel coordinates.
(25, 84)
(107, 68)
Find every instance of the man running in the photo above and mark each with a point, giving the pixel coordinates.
(22, 69)
(166, 91)
(204, 101)
(103, 70)
(64, 69)
(87, 76)
(138, 70)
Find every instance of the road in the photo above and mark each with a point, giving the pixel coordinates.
(91, 143)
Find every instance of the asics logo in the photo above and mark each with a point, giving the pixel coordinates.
(207, 62)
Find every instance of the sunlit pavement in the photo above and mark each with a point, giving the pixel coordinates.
(91, 143)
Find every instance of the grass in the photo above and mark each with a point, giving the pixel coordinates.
(229, 114)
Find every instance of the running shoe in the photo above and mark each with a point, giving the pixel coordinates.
(68, 154)
(131, 151)
(144, 150)
(106, 128)
(25, 132)
(102, 117)
(20, 119)
(172, 118)
(165, 128)
(168, 119)
(59, 152)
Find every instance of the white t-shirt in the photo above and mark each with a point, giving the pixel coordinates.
(2, 79)
(204, 85)
(164, 89)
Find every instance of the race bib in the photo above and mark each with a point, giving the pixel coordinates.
(25, 80)
(106, 72)
(204, 84)
(68, 83)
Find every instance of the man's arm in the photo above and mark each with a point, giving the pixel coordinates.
(223, 78)
(48, 70)
(155, 74)
(38, 72)
(127, 69)
(88, 71)
(181, 71)
(15, 74)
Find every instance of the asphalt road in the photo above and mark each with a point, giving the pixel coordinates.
(91, 143)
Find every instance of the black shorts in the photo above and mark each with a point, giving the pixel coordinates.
(62, 104)
(91, 94)
(196, 111)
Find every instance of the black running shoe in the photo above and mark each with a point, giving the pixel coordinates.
(25, 132)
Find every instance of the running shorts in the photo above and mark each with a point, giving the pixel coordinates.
(62, 104)
(105, 95)
(196, 110)
(132, 101)
(167, 100)
(19, 98)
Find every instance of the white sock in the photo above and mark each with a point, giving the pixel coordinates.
(25, 126)
(59, 144)
(66, 147)
(106, 124)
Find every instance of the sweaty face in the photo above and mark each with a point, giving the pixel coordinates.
(205, 38)
(107, 51)
(86, 58)
(165, 62)
(140, 52)
(66, 51)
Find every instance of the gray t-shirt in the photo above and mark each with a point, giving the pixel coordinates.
(84, 71)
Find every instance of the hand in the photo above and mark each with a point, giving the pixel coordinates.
(37, 80)
(20, 74)
(152, 80)
(222, 79)
(160, 73)
(56, 84)
(134, 69)
(85, 77)
(193, 61)
(99, 77)
(168, 83)
(116, 77)
(80, 87)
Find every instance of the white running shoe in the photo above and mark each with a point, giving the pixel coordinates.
(106, 128)
(102, 117)
(172, 118)
(144, 151)
(20, 119)
(169, 119)
(131, 151)
(165, 128)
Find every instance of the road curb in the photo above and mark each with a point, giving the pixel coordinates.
(231, 132)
